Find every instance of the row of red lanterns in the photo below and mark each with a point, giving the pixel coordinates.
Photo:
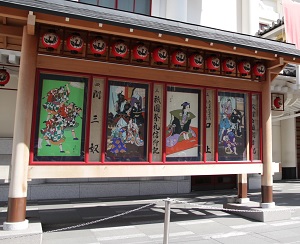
(98, 47)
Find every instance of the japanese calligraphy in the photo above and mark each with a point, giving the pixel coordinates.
(157, 122)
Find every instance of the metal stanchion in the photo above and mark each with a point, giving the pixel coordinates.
(167, 221)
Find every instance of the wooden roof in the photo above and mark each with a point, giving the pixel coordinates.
(14, 14)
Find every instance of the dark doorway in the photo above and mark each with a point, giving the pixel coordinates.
(213, 182)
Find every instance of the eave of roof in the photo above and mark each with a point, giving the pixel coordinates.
(152, 24)
(273, 26)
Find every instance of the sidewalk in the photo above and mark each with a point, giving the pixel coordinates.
(189, 224)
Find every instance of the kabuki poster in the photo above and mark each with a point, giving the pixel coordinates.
(182, 129)
(60, 132)
(127, 122)
(232, 128)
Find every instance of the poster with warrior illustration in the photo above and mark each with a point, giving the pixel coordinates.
(61, 118)
(127, 122)
(232, 133)
(182, 129)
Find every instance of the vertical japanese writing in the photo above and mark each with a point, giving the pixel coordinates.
(157, 103)
(255, 128)
(209, 127)
(157, 123)
(96, 120)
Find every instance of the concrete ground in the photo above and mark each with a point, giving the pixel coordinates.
(204, 223)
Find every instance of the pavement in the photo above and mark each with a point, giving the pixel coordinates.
(140, 220)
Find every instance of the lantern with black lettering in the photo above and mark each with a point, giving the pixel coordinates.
(178, 58)
(4, 77)
(196, 61)
(119, 49)
(277, 103)
(74, 43)
(98, 46)
(51, 40)
(140, 52)
(259, 70)
(213, 63)
(244, 68)
(228, 65)
(160, 55)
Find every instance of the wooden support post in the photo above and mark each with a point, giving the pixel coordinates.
(267, 177)
(21, 142)
(242, 186)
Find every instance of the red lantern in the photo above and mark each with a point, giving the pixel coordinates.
(277, 103)
(140, 52)
(51, 40)
(119, 49)
(160, 55)
(178, 58)
(244, 68)
(259, 70)
(4, 77)
(196, 61)
(213, 63)
(228, 65)
(74, 43)
(98, 46)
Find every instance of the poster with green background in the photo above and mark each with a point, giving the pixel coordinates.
(61, 118)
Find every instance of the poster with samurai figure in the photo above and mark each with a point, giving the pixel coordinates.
(60, 129)
(127, 122)
(182, 129)
(232, 128)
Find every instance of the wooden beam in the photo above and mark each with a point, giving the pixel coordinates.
(11, 31)
(4, 22)
(83, 171)
(273, 76)
(13, 13)
(144, 73)
(277, 70)
(150, 36)
(31, 23)
(279, 62)
(275, 67)
(93, 26)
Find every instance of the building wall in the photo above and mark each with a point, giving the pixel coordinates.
(200, 12)
(8, 98)
(288, 148)
(269, 10)
(283, 132)
(223, 17)
(276, 146)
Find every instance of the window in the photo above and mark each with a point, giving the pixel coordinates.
(107, 3)
(127, 5)
(135, 6)
(92, 2)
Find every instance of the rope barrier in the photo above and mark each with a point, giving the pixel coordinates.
(81, 225)
(174, 201)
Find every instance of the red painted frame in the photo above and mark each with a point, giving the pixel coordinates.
(150, 122)
(34, 117)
